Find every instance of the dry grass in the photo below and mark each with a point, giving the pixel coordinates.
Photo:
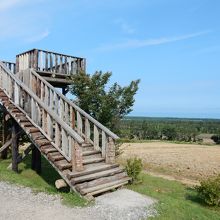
(184, 160)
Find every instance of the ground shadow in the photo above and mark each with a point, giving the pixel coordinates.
(193, 196)
(48, 173)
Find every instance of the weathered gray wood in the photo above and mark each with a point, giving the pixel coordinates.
(79, 123)
(104, 144)
(100, 183)
(110, 186)
(97, 175)
(50, 126)
(83, 113)
(87, 131)
(57, 135)
(5, 146)
(65, 145)
(110, 151)
(93, 160)
(96, 138)
(93, 169)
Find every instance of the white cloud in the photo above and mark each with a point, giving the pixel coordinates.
(38, 37)
(150, 42)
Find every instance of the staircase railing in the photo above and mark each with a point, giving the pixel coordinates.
(10, 65)
(87, 127)
(47, 61)
(63, 137)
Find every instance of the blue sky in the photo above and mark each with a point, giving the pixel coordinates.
(173, 46)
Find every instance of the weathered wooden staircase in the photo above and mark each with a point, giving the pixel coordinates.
(80, 148)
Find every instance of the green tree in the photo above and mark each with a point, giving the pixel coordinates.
(108, 106)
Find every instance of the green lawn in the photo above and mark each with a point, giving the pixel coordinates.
(175, 201)
(44, 182)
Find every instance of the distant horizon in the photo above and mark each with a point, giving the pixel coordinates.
(171, 117)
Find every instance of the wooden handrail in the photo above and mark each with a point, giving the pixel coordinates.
(77, 108)
(87, 127)
(18, 91)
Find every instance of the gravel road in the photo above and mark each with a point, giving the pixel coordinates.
(21, 203)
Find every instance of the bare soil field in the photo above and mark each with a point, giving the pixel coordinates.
(184, 162)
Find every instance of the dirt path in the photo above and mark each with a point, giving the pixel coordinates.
(20, 203)
(186, 161)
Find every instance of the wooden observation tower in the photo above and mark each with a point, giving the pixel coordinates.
(80, 148)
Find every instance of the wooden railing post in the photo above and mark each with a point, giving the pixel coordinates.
(110, 151)
(96, 138)
(77, 159)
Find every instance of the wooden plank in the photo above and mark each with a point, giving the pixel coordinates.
(93, 160)
(96, 138)
(110, 187)
(79, 123)
(6, 145)
(50, 126)
(57, 135)
(104, 185)
(104, 144)
(97, 175)
(93, 169)
(46, 61)
(65, 146)
(87, 131)
(62, 164)
(92, 152)
(48, 149)
(72, 117)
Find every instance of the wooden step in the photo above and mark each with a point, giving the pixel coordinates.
(93, 160)
(30, 130)
(100, 181)
(105, 187)
(55, 156)
(26, 124)
(42, 142)
(22, 119)
(91, 156)
(86, 145)
(48, 149)
(91, 152)
(92, 169)
(96, 175)
(37, 135)
(90, 148)
(62, 164)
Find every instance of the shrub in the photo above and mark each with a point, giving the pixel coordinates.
(209, 191)
(216, 138)
(134, 167)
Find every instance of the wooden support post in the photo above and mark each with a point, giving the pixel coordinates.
(4, 136)
(14, 146)
(36, 160)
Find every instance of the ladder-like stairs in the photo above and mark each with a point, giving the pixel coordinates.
(97, 175)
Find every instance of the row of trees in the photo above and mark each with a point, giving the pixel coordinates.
(158, 129)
